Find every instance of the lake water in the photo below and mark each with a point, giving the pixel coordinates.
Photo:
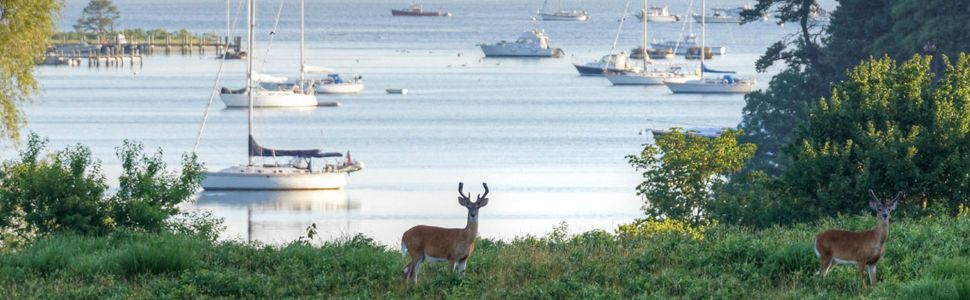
(550, 144)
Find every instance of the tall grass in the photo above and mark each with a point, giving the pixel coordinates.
(925, 258)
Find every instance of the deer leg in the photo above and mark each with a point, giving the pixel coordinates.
(451, 265)
(414, 271)
(862, 273)
(407, 272)
(826, 265)
(461, 266)
(872, 274)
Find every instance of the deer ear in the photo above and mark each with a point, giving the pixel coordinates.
(874, 204)
(482, 202)
(461, 200)
(892, 205)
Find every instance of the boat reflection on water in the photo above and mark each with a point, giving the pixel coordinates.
(279, 217)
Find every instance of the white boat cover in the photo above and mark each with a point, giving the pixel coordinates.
(268, 78)
(314, 69)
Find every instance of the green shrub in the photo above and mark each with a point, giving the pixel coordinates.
(45, 193)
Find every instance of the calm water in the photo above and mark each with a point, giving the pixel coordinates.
(551, 144)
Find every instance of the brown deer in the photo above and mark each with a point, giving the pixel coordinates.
(864, 249)
(436, 244)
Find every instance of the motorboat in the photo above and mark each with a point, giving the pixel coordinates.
(397, 91)
(657, 15)
(680, 47)
(726, 15)
(638, 52)
(299, 173)
(610, 63)
(726, 84)
(563, 14)
(417, 10)
(695, 53)
(532, 43)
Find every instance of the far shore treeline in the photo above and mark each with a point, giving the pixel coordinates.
(878, 99)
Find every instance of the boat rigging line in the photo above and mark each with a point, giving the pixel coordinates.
(215, 84)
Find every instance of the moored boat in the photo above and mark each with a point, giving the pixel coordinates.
(533, 43)
(417, 10)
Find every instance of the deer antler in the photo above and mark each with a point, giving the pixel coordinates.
(480, 196)
(463, 198)
(873, 195)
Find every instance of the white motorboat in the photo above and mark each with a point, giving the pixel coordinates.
(638, 53)
(297, 174)
(681, 47)
(533, 43)
(727, 84)
(650, 74)
(657, 15)
(563, 14)
(726, 15)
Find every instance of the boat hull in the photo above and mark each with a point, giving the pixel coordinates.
(660, 19)
(718, 20)
(646, 79)
(558, 17)
(269, 99)
(272, 178)
(405, 13)
(708, 87)
(595, 70)
(340, 88)
(509, 50)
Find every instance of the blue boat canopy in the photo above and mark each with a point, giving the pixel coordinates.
(706, 70)
(256, 150)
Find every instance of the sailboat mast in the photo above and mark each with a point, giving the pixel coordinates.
(228, 27)
(249, 75)
(703, 54)
(643, 44)
(302, 58)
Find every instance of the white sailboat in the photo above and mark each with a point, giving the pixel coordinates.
(727, 84)
(563, 14)
(298, 174)
(271, 91)
(332, 83)
(648, 76)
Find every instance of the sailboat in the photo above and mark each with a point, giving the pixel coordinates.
(648, 76)
(612, 62)
(727, 84)
(332, 83)
(563, 14)
(298, 174)
(271, 91)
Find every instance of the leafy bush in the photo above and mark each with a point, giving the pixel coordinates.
(66, 191)
(682, 171)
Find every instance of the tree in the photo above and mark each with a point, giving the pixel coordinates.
(888, 128)
(25, 27)
(683, 170)
(98, 17)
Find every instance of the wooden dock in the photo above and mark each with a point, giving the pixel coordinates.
(120, 53)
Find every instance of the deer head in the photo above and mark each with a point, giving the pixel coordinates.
(883, 208)
(465, 200)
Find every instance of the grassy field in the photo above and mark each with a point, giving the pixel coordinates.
(925, 259)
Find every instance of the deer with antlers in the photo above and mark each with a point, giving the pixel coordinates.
(436, 244)
(864, 249)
